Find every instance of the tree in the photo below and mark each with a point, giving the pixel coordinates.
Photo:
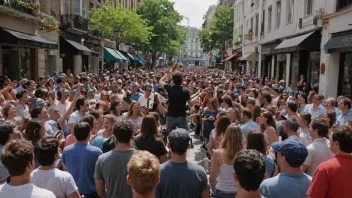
(168, 36)
(219, 33)
(108, 19)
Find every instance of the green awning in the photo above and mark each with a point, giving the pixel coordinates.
(111, 55)
(129, 56)
(122, 56)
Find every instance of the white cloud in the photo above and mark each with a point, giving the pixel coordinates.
(194, 10)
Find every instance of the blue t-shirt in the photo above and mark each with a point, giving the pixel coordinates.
(269, 166)
(285, 184)
(248, 127)
(136, 96)
(80, 160)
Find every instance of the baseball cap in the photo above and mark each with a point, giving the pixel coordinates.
(74, 92)
(39, 102)
(133, 84)
(90, 90)
(179, 138)
(293, 150)
(119, 81)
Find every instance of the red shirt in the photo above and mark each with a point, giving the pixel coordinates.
(332, 178)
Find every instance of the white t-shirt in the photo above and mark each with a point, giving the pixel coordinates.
(144, 101)
(24, 191)
(62, 107)
(59, 182)
(75, 117)
(318, 152)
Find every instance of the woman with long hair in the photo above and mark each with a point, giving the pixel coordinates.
(304, 122)
(222, 163)
(330, 118)
(9, 112)
(255, 140)
(135, 116)
(50, 85)
(227, 102)
(217, 135)
(34, 132)
(116, 110)
(269, 128)
(147, 140)
(209, 119)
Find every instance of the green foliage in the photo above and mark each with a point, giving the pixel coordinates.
(220, 30)
(108, 19)
(168, 36)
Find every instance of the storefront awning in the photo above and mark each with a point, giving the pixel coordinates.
(69, 46)
(18, 38)
(129, 56)
(140, 60)
(309, 41)
(342, 43)
(122, 56)
(245, 56)
(235, 55)
(268, 49)
(111, 55)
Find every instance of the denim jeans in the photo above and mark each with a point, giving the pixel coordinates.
(220, 194)
(176, 122)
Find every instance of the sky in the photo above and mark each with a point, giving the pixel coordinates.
(194, 10)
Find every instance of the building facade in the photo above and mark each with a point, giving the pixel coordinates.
(336, 49)
(24, 47)
(193, 54)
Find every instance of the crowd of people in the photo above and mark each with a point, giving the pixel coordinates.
(126, 134)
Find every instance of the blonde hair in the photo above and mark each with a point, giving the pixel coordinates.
(143, 170)
(214, 103)
(233, 140)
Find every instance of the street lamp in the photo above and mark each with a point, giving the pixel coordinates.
(117, 34)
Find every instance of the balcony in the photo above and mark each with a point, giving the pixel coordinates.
(20, 10)
(74, 21)
(95, 33)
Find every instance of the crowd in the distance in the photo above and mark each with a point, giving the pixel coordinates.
(127, 134)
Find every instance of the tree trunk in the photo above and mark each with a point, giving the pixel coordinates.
(154, 59)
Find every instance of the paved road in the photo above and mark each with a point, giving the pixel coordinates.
(196, 154)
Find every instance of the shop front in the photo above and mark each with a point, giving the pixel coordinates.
(268, 58)
(297, 56)
(340, 47)
(19, 53)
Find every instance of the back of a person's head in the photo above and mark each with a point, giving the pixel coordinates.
(45, 151)
(233, 140)
(32, 132)
(292, 106)
(123, 131)
(81, 131)
(89, 119)
(343, 135)
(247, 112)
(249, 167)
(149, 127)
(177, 78)
(222, 125)
(256, 140)
(16, 155)
(143, 172)
(266, 95)
(80, 102)
(321, 126)
(6, 129)
(292, 124)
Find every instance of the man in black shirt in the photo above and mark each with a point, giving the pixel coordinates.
(178, 97)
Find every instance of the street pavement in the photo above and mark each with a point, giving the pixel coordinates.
(197, 154)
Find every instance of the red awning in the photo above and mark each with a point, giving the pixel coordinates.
(235, 55)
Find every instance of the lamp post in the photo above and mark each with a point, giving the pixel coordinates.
(117, 34)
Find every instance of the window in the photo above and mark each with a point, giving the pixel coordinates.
(263, 24)
(309, 7)
(251, 26)
(278, 14)
(290, 11)
(63, 7)
(76, 7)
(256, 25)
(270, 11)
(343, 3)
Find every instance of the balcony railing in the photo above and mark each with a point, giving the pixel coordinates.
(28, 8)
(96, 33)
(74, 21)
(343, 4)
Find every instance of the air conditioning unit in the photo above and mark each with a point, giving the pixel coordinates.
(318, 21)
